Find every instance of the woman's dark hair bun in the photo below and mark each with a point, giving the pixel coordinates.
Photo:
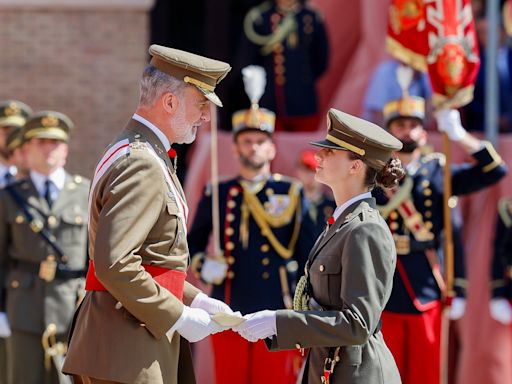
(391, 174)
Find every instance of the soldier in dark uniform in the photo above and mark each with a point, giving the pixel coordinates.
(289, 40)
(13, 115)
(43, 251)
(319, 204)
(414, 212)
(264, 243)
(501, 282)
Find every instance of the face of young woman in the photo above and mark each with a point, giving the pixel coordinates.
(334, 166)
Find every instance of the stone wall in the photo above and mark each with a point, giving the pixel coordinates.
(79, 57)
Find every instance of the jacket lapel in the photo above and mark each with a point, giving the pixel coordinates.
(346, 216)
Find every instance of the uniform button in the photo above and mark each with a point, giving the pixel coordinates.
(322, 268)
(269, 191)
(231, 204)
(292, 266)
(230, 260)
(393, 215)
(264, 248)
(393, 225)
(19, 219)
(428, 225)
(453, 201)
(230, 246)
(278, 48)
(78, 179)
(427, 192)
(229, 231)
(428, 214)
(265, 261)
(231, 275)
(265, 275)
(428, 203)
(52, 221)
(79, 220)
(15, 284)
(279, 69)
(279, 59)
(64, 259)
(118, 305)
(233, 192)
(280, 80)
(425, 183)
(230, 217)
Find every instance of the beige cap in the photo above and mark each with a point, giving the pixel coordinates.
(48, 125)
(13, 113)
(350, 133)
(196, 70)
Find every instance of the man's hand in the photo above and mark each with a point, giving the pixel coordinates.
(501, 311)
(448, 120)
(195, 324)
(458, 308)
(258, 325)
(213, 271)
(5, 329)
(210, 305)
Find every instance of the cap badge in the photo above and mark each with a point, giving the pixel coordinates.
(49, 121)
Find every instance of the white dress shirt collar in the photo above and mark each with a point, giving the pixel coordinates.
(155, 129)
(57, 177)
(339, 209)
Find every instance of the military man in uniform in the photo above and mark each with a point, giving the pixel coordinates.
(13, 115)
(43, 250)
(264, 244)
(414, 212)
(139, 313)
(288, 38)
(501, 279)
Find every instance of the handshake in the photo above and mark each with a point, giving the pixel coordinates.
(205, 317)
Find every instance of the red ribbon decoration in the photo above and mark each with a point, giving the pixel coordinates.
(172, 153)
(330, 221)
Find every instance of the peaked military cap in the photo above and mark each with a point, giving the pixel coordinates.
(14, 113)
(48, 125)
(196, 70)
(349, 133)
(410, 106)
(14, 139)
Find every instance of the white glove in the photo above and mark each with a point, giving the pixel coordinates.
(5, 329)
(458, 308)
(501, 311)
(448, 120)
(258, 325)
(195, 324)
(213, 271)
(210, 305)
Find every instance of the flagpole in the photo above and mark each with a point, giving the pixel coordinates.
(215, 182)
(448, 262)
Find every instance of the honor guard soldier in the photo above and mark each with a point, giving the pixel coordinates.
(501, 282)
(13, 114)
(414, 212)
(43, 251)
(264, 244)
(289, 39)
(139, 314)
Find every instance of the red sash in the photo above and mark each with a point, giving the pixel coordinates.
(170, 279)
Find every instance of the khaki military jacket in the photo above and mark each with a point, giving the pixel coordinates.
(136, 217)
(32, 303)
(351, 272)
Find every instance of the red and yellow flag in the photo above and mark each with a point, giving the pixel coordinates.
(437, 36)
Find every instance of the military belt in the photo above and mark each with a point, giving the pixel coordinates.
(412, 245)
(61, 272)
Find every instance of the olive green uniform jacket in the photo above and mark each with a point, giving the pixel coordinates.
(351, 273)
(136, 217)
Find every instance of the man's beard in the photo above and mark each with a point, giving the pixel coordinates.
(409, 146)
(248, 163)
(188, 131)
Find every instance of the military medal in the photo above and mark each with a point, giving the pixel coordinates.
(48, 268)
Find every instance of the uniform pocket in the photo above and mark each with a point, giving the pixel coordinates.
(352, 355)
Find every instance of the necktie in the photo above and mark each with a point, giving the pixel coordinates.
(48, 192)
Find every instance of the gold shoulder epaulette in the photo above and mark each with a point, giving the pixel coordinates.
(505, 211)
